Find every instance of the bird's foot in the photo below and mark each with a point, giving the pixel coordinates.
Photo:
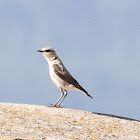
(55, 105)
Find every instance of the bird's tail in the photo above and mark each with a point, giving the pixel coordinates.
(89, 95)
(82, 89)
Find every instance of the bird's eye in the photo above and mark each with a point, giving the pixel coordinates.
(48, 50)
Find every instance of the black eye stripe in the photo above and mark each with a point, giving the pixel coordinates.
(48, 50)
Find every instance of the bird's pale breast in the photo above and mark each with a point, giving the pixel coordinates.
(60, 83)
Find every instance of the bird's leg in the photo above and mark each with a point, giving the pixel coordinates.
(65, 94)
(62, 95)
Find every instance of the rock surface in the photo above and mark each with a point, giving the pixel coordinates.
(32, 122)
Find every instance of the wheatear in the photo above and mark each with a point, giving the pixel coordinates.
(60, 75)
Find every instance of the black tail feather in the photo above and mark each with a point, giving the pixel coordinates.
(89, 95)
(82, 89)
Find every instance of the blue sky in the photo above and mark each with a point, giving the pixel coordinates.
(96, 40)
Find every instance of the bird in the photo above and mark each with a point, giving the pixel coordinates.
(60, 75)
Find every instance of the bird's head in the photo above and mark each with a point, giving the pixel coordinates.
(48, 52)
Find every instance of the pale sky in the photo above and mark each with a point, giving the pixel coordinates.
(97, 41)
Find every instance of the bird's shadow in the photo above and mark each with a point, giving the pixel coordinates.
(115, 116)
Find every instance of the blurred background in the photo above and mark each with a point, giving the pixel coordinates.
(95, 39)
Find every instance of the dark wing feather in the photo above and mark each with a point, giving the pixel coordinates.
(62, 72)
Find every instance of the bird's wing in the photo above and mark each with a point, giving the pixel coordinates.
(62, 72)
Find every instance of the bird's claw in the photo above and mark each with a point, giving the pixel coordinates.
(55, 105)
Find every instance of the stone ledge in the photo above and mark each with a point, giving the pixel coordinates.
(33, 122)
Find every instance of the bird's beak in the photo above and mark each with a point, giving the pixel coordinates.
(39, 51)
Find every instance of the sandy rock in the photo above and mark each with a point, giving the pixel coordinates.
(32, 122)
